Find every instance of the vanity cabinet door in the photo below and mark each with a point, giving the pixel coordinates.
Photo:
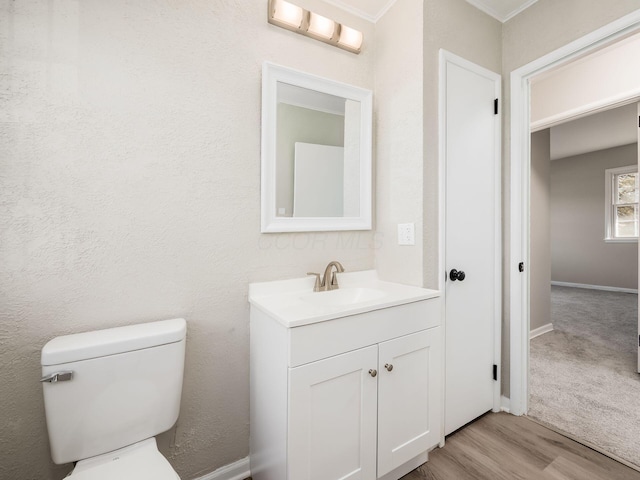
(408, 398)
(332, 418)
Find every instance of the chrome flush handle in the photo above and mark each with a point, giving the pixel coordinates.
(63, 376)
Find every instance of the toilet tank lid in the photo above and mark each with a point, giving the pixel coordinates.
(111, 341)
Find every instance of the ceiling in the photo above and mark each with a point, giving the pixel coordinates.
(372, 10)
(608, 129)
(502, 10)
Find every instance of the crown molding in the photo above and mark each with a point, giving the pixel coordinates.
(481, 5)
(361, 13)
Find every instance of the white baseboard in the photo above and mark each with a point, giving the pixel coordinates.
(595, 287)
(234, 471)
(536, 332)
(505, 404)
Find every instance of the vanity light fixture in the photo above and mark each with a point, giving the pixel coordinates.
(292, 17)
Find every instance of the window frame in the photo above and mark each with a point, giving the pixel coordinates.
(610, 204)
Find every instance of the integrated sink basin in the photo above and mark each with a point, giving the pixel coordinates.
(293, 303)
(343, 296)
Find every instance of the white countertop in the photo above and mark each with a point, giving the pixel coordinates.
(293, 302)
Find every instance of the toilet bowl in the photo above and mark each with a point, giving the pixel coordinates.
(108, 393)
(140, 461)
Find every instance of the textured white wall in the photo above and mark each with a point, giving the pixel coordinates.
(548, 25)
(129, 192)
(398, 134)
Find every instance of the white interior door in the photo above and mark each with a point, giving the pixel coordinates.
(318, 180)
(471, 160)
(332, 418)
(638, 152)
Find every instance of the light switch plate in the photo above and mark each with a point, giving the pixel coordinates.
(406, 234)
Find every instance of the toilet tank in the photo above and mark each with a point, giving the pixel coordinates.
(125, 386)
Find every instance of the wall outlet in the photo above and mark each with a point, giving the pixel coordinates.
(281, 211)
(406, 234)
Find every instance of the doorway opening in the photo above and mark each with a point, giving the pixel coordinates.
(584, 280)
(520, 227)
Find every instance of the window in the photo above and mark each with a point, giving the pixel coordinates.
(621, 193)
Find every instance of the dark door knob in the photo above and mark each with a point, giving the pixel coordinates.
(456, 275)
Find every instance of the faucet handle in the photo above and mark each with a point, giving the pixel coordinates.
(316, 287)
(334, 282)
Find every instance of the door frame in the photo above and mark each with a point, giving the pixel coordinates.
(520, 198)
(444, 58)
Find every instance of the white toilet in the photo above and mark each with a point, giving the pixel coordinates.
(108, 393)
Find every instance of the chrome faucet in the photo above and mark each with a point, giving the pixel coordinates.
(329, 280)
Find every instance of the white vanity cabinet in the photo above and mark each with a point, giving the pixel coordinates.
(409, 411)
(354, 397)
(331, 427)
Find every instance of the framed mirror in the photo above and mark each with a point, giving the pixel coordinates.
(316, 153)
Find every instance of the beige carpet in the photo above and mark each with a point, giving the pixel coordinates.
(583, 377)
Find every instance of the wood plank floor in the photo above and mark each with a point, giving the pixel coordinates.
(499, 446)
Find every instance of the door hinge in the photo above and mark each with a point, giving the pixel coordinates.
(521, 267)
(495, 372)
(495, 106)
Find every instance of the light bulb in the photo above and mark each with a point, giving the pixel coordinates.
(287, 13)
(350, 37)
(321, 26)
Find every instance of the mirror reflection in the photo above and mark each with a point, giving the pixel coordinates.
(317, 154)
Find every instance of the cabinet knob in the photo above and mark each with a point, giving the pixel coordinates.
(388, 366)
(373, 372)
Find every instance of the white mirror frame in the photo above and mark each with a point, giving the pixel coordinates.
(271, 75)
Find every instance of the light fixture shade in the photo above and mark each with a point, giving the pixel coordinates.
(321, 26)
(350, 38)
(286, 13)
